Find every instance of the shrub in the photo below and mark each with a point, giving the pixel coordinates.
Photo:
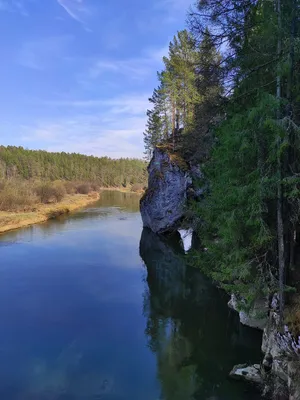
(57, 213)
(44, 192)
(50, 192)
(84, 188)
(95, 187)
(59, 190)
(70, 187)
(16, 196)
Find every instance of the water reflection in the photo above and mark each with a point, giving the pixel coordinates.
(113, 204)
(194, 336)
(129, 201)
(75, 299)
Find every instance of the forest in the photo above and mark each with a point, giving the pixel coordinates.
(17, 162)
(228, 99)
(30, 177)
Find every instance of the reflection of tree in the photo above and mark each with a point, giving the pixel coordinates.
(128, 201)
(189, 327)
(176, 374)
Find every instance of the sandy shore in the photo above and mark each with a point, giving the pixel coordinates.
(43, 212)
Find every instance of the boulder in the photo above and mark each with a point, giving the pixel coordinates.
(247, 373)
(256, 318)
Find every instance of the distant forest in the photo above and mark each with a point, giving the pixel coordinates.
(17, 162)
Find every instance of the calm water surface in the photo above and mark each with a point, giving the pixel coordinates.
(93, 307)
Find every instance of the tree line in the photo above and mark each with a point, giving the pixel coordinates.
(228, 99)
(17, 162)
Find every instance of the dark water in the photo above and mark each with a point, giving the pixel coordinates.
(91, 307)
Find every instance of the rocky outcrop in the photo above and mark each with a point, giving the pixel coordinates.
(280, 369)
(282, 357)
(248, 373)
(256, 317)
(170, 184)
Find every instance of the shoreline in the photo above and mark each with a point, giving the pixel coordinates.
(122, 190)
(10, 221)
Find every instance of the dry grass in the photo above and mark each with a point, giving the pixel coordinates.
(16, 196)
(137, 188)
(44, 212)
(123, 189)
(20, 195)
(25, 203)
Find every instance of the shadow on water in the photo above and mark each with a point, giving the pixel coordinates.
(195, 337)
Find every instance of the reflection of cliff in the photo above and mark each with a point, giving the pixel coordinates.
(189, 327)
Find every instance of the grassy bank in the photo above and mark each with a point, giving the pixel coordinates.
(25, 203)
(136, 190)
(10, 220)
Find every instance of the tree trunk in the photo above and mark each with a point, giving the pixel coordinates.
(289, 113)
(173, 124)
(280, 228)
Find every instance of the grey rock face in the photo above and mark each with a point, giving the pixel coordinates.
(284, 351)
(257, 318)
(247, 373)
(163, 205)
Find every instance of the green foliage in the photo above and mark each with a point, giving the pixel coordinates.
(238, 116)
(189, 86)
(16, 162)
(236, 211)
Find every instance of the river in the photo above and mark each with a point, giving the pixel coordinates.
(94, 307)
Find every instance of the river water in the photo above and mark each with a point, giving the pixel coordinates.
(94, 307)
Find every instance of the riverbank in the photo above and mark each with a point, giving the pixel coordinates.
(43, 212)
(124, 190)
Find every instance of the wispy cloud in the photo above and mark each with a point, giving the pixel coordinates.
(178, 5)
(129, 104)
(111, 127)
(89, 134)
(76, 9)
(137, 68)
(13, 6)
(45, 52)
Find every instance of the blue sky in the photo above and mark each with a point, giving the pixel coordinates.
(76, 74)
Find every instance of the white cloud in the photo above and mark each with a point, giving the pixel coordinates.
(44, 52)
(76, 9)
(89, 135)
(115, 130)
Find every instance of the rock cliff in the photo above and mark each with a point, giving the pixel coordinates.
(170, 185)
(279, 372)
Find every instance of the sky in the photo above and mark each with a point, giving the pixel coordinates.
(76, 75)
